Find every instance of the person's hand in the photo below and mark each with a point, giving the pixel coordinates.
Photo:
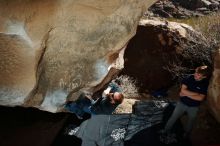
(107, 91)
(181, 94)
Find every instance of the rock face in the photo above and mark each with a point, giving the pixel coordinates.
(51, 48)
(214, 88)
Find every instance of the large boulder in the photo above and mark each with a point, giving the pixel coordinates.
(51, 48)
(163, 51)
(214, 88)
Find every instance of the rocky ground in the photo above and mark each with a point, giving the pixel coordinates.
(206, 131)
(183, 8)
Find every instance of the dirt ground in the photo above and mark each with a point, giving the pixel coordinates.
(206, 131)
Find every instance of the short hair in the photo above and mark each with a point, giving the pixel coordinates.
(204, 70)
(120, 99)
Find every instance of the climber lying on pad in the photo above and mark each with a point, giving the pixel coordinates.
(111, 97)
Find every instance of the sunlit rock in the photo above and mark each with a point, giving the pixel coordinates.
(51, 48)
(17, 68)
(214, 88)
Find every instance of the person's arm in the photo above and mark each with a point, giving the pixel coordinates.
(112, 87)
(185, 92)
(198, 97)
(89, 96)
(104, 96)
(107, 91)
(193, 95)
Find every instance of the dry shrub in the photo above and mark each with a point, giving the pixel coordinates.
(210, 27)
(128, 86)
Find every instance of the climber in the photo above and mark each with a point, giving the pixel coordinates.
(111, 97)
(193, 92)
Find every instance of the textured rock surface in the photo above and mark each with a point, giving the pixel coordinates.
(184, 8)
(214, 88)
(49, 48)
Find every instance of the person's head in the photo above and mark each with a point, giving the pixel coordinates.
(116, 98)
(201, 72)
